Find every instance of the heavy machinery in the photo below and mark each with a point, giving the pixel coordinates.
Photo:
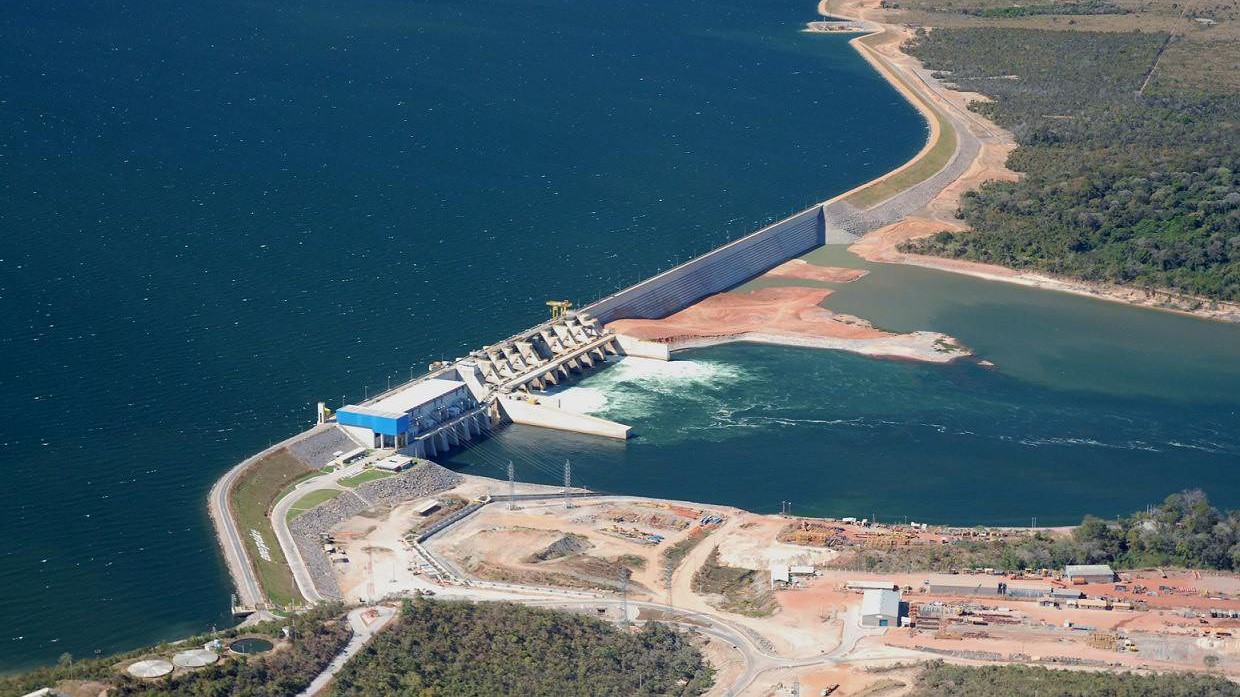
(558, 307)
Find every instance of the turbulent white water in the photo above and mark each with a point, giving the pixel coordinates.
(634, 387)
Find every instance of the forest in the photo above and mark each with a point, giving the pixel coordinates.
(461, 649)
(1118, 185)
(1183, 531)
(1089, 7)
(939, 679)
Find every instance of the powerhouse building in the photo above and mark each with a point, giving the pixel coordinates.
(398, 419)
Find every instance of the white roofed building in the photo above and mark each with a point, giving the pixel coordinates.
(401, 417)
(880, 608)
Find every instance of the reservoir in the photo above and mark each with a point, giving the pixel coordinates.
(215, 215)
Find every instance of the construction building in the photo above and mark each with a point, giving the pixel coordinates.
(880, 608)
(1089, 573)
(780, 575)
(400, 417)
(950, 584)
(394, 463)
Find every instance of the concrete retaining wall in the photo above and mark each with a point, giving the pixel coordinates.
(523, 412)
(632, 346)
(715, 271)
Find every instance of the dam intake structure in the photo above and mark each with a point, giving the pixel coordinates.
(504, 382)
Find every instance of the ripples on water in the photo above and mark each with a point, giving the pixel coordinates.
(217, 214)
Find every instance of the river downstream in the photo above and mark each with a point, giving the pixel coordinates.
(1091, 407)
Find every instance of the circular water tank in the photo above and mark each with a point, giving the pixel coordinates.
(153, 668)
(195, 658)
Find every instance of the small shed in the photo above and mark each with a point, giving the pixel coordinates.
(1067, 594)
(801, 570)
(780, 574)
(394, 463)
(880, 608)
(426, 507)
(1089, 573)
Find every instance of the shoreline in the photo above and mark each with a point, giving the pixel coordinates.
(880, 245)
(788, 316)
(899, 71)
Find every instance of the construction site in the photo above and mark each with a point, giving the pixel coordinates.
(784, 584)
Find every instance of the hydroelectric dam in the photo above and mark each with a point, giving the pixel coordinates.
(502, 383)
(468, 398)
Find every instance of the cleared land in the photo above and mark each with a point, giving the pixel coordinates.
(252, 497)
(791, 315)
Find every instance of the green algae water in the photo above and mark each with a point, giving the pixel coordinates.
(214, 215)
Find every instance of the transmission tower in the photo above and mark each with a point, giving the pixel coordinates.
(512, 487)
(568, 482)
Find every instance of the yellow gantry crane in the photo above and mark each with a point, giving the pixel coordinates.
(558, 307)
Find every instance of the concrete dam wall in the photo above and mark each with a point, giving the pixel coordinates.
(715, 271)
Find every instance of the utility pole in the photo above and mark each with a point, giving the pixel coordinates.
(568, 482)
(512, 487)
(624, 599)
(370, 577)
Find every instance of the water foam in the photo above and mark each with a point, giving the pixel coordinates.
(633, 387)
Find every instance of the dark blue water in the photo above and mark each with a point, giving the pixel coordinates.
(215, 214)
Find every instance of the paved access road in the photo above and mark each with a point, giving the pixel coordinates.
(219, 503)
(362, 632)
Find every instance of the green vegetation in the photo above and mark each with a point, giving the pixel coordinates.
(462, 649)
(672, 556)
(1089, 7)
(364, 476)
(1185, 531)
(253, 495)
(631, 561)
(926, 166)
(939, 679)
(744, 591)
(882, 687)
(311, 500)
(317, 636)
(1118, 186)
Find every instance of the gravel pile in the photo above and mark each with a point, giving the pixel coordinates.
(317, 450)
(421, 480)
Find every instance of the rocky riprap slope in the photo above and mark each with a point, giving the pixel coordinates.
(424, 479)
